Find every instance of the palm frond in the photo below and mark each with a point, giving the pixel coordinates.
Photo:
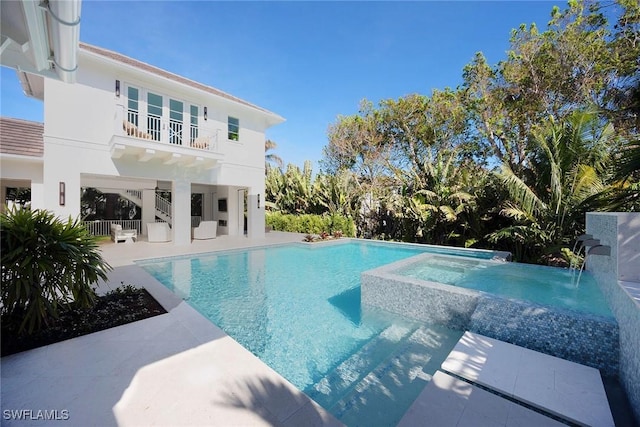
(520, 192)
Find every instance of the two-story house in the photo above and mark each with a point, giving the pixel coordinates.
(128, 127)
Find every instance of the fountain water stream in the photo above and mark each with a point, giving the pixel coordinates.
(596, 249)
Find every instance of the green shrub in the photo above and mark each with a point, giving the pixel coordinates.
(47, 265)
(311, 224)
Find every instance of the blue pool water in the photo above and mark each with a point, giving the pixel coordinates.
(298, 309)
(551, 286)
(284, 301)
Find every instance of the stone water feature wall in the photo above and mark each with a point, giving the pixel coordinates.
(617, 275)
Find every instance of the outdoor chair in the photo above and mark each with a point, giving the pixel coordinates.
(119, 235)
(206, 230)
(158, 232)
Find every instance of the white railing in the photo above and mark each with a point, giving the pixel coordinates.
(193, 133)
(137, 194)
(175, 132)
(154, 127)
(103, 227)
(169, 131)
(163, 205)
(132, 117)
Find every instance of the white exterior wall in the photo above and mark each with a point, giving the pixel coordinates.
(25, 169)
(81, 119)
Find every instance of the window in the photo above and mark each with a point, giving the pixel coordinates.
(132, 105)
(154, 115)
(193, 134)
(222, 205)
(175, 121)
(234, 129)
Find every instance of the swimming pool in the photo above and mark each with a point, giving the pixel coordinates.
(556, 287)
(297, 308)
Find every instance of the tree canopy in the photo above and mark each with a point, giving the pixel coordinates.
(510, 159)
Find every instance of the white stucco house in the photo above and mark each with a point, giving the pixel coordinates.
(124, 126)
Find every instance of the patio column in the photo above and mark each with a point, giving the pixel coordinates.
(148, 208)
(255, 216)
(181, 212)
(37, 194)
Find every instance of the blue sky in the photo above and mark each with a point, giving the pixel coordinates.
(307, 61)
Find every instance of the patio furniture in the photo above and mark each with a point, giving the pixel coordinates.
(205, 230)
(158, 232)
(119, 235)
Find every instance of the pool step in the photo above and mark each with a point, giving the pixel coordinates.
(331, 388)
(385, 393)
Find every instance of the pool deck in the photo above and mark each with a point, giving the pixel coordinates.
(173, 369)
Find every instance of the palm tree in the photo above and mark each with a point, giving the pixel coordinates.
(566, 167)
(271, 158)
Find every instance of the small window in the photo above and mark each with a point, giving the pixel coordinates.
(234, 129)
(222, 205)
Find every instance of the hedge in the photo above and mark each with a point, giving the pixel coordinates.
(311, 224)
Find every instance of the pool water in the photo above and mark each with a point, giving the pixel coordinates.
(557, 287)
(298, 309)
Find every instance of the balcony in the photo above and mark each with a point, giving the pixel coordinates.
(147, 137)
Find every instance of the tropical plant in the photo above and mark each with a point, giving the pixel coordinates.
(567, 167)
(271, 158)
(47, 265)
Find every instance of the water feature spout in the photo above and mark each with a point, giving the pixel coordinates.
(581, 239)
(599, 250)
(584, 240)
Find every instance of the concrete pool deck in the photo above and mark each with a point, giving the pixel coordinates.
(173, 369)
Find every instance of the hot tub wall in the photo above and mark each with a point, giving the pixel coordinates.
(620, 231)
(585, 339)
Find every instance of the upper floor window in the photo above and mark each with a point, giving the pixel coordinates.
(193, 132)
(233, 129)
(132, 105)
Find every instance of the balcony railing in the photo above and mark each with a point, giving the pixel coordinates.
(134, 124)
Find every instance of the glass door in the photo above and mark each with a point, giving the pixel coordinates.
(176, 117)
(154, 116)
(193, 132)
(132, 106)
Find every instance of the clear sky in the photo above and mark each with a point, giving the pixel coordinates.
(306, 61)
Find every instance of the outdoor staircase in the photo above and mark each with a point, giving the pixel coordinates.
(376, 385)
(163, 206)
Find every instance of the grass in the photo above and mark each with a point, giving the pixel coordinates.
(123, 305)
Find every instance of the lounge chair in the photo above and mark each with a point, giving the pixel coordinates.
(206, 230)
(158, 232)
(119, 235)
